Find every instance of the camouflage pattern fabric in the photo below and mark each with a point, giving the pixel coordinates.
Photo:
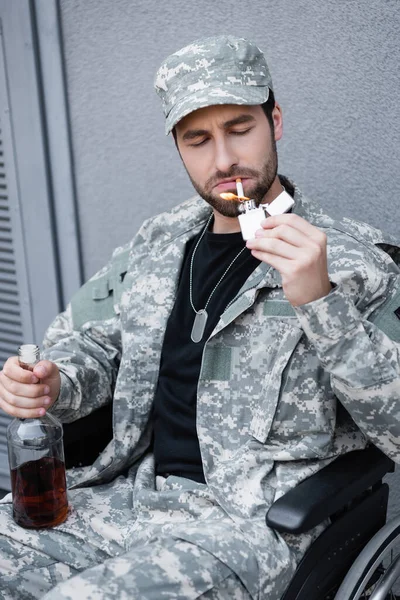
(217, 70)
(282, 392)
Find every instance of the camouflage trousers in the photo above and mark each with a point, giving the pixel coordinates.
(141, 537)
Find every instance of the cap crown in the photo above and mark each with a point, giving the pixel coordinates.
(215, 70)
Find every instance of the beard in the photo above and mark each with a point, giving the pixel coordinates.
(264, 179)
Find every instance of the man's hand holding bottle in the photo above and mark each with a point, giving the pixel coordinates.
(28, 394)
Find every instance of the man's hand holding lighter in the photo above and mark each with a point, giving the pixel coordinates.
(298, 250)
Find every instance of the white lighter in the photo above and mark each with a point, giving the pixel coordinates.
(250, 218)
(252, 215)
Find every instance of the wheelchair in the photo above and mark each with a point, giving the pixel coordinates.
(353, 558)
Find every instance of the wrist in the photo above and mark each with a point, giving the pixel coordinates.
(312, 294)
(331, 316)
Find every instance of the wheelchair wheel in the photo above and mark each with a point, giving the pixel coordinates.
(376, 568)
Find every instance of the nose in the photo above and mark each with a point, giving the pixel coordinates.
(225, 155)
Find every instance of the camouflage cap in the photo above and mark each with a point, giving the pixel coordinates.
(216, 70)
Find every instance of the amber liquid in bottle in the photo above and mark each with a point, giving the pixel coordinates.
(39, 490)
(40, 493)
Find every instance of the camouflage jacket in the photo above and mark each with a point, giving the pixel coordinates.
(282, 390)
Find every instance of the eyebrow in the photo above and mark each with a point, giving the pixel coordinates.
(190, 134)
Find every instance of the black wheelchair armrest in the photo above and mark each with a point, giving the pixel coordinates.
(325, 493)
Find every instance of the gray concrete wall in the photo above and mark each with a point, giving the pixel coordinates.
(335, 71)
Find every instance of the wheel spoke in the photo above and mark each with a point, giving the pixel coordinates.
(373, 573)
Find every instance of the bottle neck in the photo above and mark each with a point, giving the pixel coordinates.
(28, 355)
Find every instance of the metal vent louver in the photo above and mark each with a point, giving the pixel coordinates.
(10, 316)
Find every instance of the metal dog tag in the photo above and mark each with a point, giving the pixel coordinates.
(199, 326)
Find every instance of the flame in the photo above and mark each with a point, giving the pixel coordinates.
(230, 196)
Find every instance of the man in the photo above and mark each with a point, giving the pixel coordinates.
(236, 370)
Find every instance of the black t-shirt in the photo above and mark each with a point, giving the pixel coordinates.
(176, 445)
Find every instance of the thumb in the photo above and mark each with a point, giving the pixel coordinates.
(46, 369)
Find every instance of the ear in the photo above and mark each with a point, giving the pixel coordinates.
(278, 121)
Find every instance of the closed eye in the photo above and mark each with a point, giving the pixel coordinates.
(233, 132)
(199, 143)
(241, 132)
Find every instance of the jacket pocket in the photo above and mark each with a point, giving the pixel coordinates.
(288, 335)
(98, 299)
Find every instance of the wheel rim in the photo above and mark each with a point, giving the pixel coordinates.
(367, 571)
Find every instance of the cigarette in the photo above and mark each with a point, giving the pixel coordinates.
(239, 188)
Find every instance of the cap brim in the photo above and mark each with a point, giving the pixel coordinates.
(228, 94)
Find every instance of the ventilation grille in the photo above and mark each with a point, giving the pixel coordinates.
(10, 315)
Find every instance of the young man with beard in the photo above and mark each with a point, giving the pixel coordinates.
(236, 369)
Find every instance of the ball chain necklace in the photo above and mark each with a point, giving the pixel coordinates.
(201, 317)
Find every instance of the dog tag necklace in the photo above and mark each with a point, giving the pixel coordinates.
(201, 317)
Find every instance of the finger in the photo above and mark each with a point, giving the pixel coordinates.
(45, 369)
(273, 246)
(294, 221)
(22, 413)
(275, 261)
(13, 370)
(287, 233)
(22, 402)
(23, 389)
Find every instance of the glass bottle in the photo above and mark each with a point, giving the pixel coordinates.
(37, 466)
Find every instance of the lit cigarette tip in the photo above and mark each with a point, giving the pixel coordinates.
(228, 196)
(239, 188)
